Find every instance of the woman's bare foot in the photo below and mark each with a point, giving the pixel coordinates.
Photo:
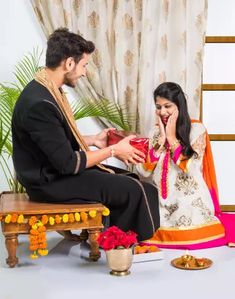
(68, 235)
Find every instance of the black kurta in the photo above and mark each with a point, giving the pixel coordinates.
(45, 159)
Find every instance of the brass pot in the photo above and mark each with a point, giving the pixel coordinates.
(119, 261)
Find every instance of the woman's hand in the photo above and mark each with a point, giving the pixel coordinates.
(127, 153)
(171, 127)
(162, 138)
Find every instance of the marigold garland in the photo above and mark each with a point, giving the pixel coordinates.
(37, 234)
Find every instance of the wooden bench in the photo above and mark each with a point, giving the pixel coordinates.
(11, 203)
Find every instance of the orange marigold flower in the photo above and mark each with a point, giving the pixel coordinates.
(8, 218)
(65, 218)
(44, 219)
(33, 238)
(33, 247)
(84, 216)
(14, 218)
(41, 238)
(71, 218)
(77, 216)
(1, 218)
(92, 213)
(20, 219)
(57, 219)
(34, 243)
(42, 245)
(106, 212)
(32, 220)
(41, 229)
(34, 232)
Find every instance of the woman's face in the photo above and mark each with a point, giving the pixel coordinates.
(164, 108)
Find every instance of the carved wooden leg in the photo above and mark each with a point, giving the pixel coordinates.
(93, 235)
(11, 242)
(84, 235)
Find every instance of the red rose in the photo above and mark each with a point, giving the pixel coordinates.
(114, 237)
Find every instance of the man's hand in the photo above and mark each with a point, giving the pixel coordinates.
(127, 153)
(100, 140)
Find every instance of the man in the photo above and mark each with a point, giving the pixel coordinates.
(53, 161)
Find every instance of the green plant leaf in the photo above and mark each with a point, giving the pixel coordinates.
(103, 109)
(27, 67)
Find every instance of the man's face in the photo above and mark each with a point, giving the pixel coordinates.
(79, 70)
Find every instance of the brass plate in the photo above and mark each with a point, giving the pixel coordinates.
(178, 264)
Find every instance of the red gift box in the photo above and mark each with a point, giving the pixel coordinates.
(142, 144)
(114, 136)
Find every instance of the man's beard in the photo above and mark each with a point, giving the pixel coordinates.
(67, 81)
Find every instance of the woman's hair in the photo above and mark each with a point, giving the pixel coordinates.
(63, 44)
(174, 93)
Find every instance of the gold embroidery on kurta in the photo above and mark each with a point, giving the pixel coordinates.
(186, 183)
(183, 221)
(206, 213)
(199, 146)
(171, 209)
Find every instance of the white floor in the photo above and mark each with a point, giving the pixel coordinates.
(66, 273)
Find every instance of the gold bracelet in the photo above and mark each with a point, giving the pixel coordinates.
(173, 145)
(157, 146)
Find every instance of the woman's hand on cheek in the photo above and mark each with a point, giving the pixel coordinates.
(162, 138)
(171, 126)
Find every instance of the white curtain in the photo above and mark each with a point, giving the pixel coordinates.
(139, 44)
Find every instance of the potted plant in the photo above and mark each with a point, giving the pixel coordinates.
(9, 93)
(118, 246)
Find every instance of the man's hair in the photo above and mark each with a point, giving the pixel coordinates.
(63, 44)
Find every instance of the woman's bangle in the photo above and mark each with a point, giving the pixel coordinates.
(157, 146)
(173, 145)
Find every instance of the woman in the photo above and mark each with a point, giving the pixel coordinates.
(181, 165)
